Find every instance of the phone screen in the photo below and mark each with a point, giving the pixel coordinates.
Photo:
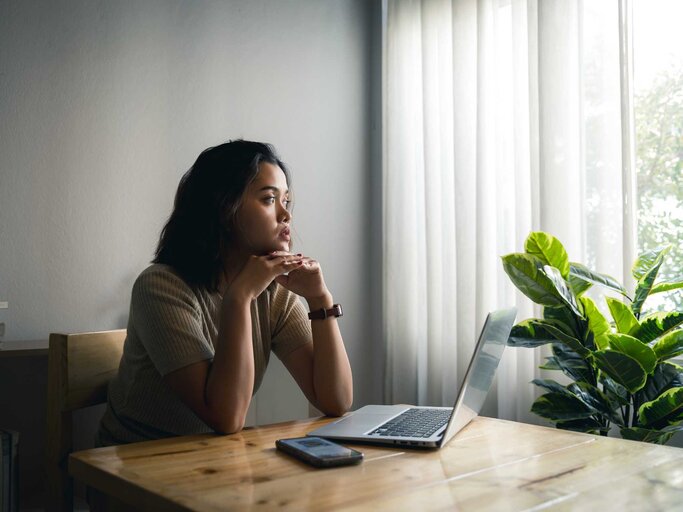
(319, 452)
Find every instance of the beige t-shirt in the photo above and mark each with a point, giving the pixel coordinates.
(171, 326)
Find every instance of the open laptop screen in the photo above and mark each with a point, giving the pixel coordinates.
(481, 371)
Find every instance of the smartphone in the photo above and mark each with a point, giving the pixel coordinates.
(319, 452)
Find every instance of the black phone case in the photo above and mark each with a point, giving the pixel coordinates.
(317, 461)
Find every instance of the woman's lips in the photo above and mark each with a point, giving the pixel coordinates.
(284, 234)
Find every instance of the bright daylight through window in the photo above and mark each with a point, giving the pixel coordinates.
(658, 98)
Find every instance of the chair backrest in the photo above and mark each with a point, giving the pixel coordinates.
(80, 367)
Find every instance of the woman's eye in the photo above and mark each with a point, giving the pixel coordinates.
(269, 200)
(287, 203)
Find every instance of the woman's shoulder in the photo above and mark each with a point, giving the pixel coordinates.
(161, 278)
(159, 272)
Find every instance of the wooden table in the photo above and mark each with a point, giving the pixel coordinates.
(490, 465)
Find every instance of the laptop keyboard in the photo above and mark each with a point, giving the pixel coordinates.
(414, 423)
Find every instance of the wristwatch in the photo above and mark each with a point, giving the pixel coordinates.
(322, 314)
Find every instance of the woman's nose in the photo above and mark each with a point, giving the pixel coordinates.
(285, 214)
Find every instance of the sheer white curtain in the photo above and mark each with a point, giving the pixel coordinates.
(499, 117)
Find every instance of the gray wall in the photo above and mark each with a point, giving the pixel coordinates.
(104, 105)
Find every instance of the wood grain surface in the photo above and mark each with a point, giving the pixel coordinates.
(490, 465)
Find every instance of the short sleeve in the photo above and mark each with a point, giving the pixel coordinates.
(166, 315)
(290, 325)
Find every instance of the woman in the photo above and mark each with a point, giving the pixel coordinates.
(220, 294)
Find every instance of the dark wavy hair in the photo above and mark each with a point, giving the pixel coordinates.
(198, 232)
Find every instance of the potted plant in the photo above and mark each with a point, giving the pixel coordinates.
(621, 369)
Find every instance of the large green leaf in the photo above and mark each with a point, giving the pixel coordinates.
(623, 316)
(596, 323)
(644, 286)
(621, 368)
(529, 334)
(572, 364)
(551, 363)
(615, 392)
(634, 348)
(648, 435)
(583, 272)
(549, 250)
(666, 286)
(647, 260)
(670, 345)
(552, 386)
(562, 289)
(526, 273)
(655, 325)
(595, 398)
(559, 406)
(563, 319)
(568, 340)
(578, 285)
(668, 406)
(665, 376)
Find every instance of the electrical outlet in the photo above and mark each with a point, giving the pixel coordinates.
(4, 304)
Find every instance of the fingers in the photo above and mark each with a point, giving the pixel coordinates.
(291, 264)
(279, 254)
(309, 265)
(283, 261)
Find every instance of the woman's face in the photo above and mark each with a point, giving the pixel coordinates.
(263, 217)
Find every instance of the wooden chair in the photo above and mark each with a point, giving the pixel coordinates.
(80, 367)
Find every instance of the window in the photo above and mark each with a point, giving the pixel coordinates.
(658, 105)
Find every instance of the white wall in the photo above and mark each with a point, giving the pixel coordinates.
(104, 105)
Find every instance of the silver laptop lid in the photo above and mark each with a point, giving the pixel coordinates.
(479, 376)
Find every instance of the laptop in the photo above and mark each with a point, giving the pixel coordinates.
(431, 427)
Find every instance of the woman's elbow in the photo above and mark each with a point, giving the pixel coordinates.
(336, 408)
(335, 413)
(227, 424)
(228, 427)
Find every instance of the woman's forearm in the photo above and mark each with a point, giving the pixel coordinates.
(230, 382)
(332, 379)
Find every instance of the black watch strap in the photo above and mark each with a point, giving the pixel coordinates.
(322, 314)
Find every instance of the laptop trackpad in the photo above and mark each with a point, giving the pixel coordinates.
(363, 420)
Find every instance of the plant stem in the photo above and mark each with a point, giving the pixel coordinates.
(635, 411)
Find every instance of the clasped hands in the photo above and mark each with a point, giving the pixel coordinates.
(298, 273)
